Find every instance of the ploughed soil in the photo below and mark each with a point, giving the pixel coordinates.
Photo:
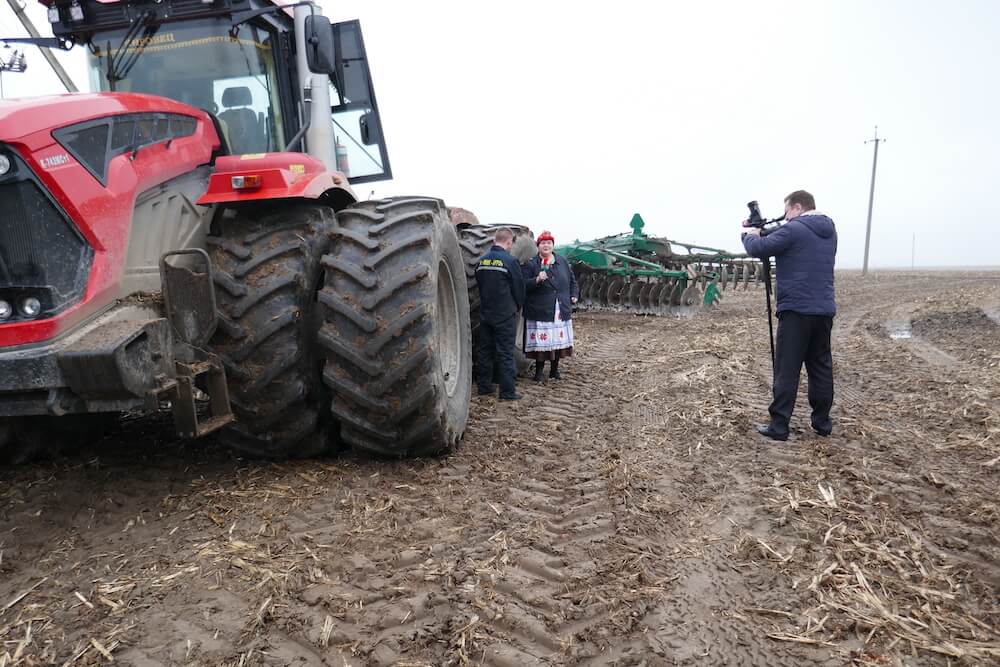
(627, 515)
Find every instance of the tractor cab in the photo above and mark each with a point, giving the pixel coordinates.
(271, 79)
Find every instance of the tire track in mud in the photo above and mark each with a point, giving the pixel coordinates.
(538, 604)
(704, 618)
(703, 505)
(610, 519)
(683, 592)
(924, 477)
(512, 590)
(888, 454)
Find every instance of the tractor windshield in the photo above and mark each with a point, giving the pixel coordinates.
(198, 62)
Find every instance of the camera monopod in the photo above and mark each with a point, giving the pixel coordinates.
(757, 220)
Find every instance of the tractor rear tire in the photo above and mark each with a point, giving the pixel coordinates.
(475, 241)
(524, 243)
(267, 272)
(396, 330)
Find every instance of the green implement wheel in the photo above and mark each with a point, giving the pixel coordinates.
(713, 295)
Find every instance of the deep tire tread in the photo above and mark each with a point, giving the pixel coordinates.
(267, 266)
(378, 336)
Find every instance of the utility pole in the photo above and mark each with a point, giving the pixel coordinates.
(871, 196)
(913, 252)
(30, 27)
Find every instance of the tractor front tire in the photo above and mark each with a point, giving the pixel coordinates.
(396, 333)
(267, 272)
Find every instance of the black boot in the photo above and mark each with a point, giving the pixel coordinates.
(539, 371)
(554, 371)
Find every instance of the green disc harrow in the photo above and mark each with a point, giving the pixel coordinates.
(645, 275)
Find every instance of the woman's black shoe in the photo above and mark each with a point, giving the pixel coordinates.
(539, 372)
(554, 375)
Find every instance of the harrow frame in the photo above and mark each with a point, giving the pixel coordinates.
(638, 273)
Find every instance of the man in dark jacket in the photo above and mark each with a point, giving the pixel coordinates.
(804, 249)
(501, 295)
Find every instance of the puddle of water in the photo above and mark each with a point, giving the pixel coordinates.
(899, 330)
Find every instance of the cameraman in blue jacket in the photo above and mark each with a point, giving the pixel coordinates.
(804, 250)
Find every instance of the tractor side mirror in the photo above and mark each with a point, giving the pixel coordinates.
(319, 45)
(371, 132)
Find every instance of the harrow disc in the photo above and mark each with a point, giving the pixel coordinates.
(634, 289)
(644, 294)
(597, 288)
(655, 294)
(691, 296)
(583, 285)
(667, 295)
(675, 294)
(613, 296)
(703, 277)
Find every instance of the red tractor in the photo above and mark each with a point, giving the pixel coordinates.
(162, 246)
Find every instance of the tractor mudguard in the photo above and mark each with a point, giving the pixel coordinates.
(262, 176)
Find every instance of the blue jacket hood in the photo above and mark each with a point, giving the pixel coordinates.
(818, 223)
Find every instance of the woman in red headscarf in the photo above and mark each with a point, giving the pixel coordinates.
(548, 308)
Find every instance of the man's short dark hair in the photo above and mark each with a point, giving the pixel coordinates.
(503, 235)
(803, 199)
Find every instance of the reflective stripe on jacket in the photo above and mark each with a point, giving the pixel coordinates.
(501, 288)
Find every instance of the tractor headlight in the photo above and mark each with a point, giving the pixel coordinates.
(4, 164)
(31, 307)
(6, 310)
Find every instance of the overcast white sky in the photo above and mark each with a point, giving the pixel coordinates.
(572, 116)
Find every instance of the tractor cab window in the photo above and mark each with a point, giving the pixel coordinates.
(198, 62)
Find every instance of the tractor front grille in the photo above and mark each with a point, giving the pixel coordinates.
(42, 254)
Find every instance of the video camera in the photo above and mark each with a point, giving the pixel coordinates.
(756, 219)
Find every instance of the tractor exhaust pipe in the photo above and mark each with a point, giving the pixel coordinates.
(319, 123)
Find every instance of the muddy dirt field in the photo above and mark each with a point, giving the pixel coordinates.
(627, 515)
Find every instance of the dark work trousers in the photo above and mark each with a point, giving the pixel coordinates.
(802, 338)
(496, 344)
